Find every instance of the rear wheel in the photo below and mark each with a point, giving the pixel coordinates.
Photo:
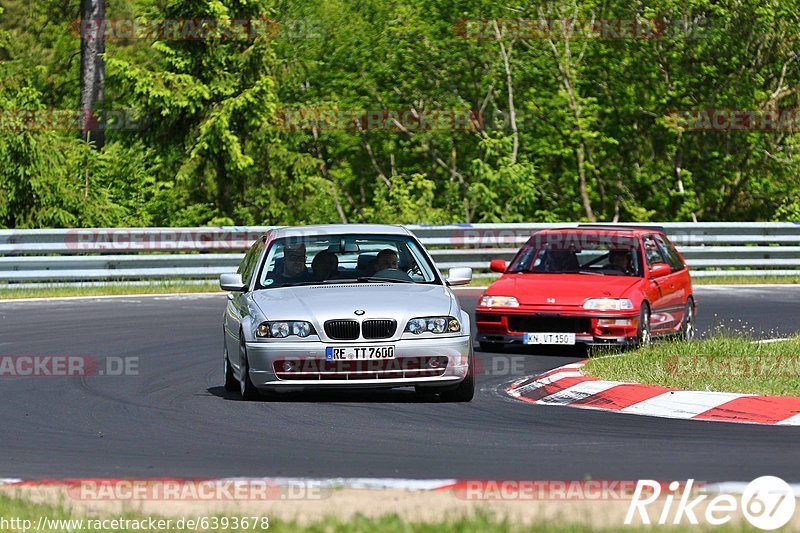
(688, 329)
(644, 337)
(248, 391)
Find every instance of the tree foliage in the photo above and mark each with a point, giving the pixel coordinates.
(565, 127)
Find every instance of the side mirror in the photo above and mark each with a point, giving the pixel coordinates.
(498, 265)
(231, 282)
(459, 276)
(660, 270)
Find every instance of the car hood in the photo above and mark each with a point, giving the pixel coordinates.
(566, 289)
(318, 303)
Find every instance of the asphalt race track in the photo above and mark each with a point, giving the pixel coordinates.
(175, 419)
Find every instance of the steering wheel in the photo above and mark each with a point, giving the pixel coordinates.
(392, 273)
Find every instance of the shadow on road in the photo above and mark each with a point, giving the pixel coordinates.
(403, 395)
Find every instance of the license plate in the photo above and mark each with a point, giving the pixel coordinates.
(549, 338)
(358, 353)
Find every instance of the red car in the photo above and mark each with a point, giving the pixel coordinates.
(592, 285)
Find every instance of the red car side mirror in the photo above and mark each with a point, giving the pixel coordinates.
(660, 270)
(498, 265)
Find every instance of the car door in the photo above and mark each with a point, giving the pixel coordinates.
(236, 307)
(659, 291)
(679, 281)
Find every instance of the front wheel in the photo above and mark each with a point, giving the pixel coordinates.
(231, 384)
(688, 330)
(248, 391)
(464, 391)
(643, 336)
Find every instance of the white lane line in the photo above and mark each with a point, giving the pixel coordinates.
(738, 487)
(353, 483)
(770, 341)
(791, 421)
(577, 392)
(681, 404)
(552, 378)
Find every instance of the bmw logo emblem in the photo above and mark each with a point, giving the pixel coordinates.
(360, 312)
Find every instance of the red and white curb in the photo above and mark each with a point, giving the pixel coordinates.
(568, 386)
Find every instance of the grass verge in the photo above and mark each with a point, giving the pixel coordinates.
(746, 280)
(20, 515)
(723, 362)
(165, 287)
(173, 287)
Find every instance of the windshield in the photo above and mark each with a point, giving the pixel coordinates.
(578, 254)
(319, 259)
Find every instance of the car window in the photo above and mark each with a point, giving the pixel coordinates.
(345, 258)
(248, 264)
(652, 252)
(671, 254)
(581, 252)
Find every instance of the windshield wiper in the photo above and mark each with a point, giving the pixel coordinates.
(368, 279)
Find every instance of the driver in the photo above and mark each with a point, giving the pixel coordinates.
(620, 259)
(294, 265)
(387, 258)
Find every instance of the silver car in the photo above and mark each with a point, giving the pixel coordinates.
(345, 306)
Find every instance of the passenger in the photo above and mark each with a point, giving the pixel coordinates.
(325, 266)
(387, 258)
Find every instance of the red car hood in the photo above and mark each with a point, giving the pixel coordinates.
(566, 289)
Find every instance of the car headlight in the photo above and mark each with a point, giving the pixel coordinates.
(608, 304)
(433, 324)
(279, 330)
(499, 301)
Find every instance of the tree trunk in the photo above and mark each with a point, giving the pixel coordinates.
(93, 69)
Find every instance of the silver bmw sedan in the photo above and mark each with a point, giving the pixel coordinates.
(345, 306)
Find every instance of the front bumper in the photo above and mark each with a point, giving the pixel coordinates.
(509, 326)
(410, 367)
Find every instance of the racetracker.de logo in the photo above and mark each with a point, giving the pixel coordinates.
(177, 29)
(508, 29)
(91, 240)
(540, 490)
(195, 490)
(322, 118)
(24, 366)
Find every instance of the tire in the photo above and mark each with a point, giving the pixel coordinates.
(231, 383)
(644, 336)
(688, 328)
(491, 346)
(465, 390)
(248, 391)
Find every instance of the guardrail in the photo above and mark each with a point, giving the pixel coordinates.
(125, 254)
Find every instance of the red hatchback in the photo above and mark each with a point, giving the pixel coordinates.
(592, 285)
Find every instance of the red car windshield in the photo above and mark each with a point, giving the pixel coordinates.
(578, 254)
